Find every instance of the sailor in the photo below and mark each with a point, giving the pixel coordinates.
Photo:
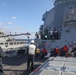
(43, 53)
(64, 50)
(55, 34)
(1, 56)
(31, 55)
(51, 34)
(71, 53)
(55, 52)
(70, 48)
(37, 36)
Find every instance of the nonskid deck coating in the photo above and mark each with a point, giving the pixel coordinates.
(57, 66)
(17, 65)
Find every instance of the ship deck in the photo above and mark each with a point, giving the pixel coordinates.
(57, 66)
(17, 65)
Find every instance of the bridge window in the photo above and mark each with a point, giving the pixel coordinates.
(14, 42)
(21, 42)
(1, 43)
(11, 43)
(17, 42)
(6, 43)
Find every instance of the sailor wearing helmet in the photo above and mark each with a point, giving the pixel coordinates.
(31, 55)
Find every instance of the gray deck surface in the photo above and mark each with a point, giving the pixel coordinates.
(49, 72)
(70, 73)
(57, 66)
(17, 65)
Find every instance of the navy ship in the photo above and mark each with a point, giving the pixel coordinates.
(59, 29)
(61, 19)
(9, 44)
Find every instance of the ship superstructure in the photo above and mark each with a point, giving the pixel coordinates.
(8, 43)
(62, 17)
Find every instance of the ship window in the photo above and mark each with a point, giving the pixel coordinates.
(14, 42)
(6, 43)
(1, 43)
(11, 43)
(21, 42)
(17, 42)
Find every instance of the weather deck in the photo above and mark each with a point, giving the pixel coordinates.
(17, 65)
(57, 66)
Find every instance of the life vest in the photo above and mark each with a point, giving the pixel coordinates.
(44, 51)
(57, 50)
(65, 48)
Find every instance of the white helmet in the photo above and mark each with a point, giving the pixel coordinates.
(32, 41)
